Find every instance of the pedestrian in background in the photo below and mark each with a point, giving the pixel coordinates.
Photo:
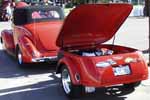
(6, 11)
(13, 4)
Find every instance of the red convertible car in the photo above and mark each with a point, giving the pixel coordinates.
(85, 62)
(35, 29)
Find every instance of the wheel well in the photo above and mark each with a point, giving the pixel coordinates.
(59, 68)
(17, 48)
(1, 40)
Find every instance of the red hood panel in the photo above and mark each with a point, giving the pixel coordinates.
(45, 34)
(90, 24)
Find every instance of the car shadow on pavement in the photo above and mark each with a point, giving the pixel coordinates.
(109, 93)
(52, 90)
(47, 90)
(39, 88)
(10, 68)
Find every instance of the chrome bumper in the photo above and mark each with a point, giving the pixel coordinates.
(45, 59)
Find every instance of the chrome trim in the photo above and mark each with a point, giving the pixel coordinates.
(45, 59)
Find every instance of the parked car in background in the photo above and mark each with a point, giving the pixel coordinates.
(85, 62)
(35, 29)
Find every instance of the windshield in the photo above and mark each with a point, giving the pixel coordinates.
(41, 14)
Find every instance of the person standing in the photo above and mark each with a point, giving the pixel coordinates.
(7, 11)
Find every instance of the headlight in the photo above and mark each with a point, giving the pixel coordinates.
(129, 60)
(135, 59)
(106, 63)
(102, 64)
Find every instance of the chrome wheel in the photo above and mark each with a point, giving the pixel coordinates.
(19, 56)
(66, 81)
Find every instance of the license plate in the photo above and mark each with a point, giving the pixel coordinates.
(121, 70)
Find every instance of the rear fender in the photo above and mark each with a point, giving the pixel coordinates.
(27, 47)
(71, 67)
(7, 39)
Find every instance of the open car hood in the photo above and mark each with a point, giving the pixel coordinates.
(92, 24)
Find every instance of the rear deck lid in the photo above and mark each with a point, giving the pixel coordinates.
(45, 34)
(92, 24)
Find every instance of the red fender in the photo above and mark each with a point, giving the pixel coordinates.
(28, 49)
(71, 67)
(7, 36)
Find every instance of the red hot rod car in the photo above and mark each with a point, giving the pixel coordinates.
(35, 29)
(85, 62)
